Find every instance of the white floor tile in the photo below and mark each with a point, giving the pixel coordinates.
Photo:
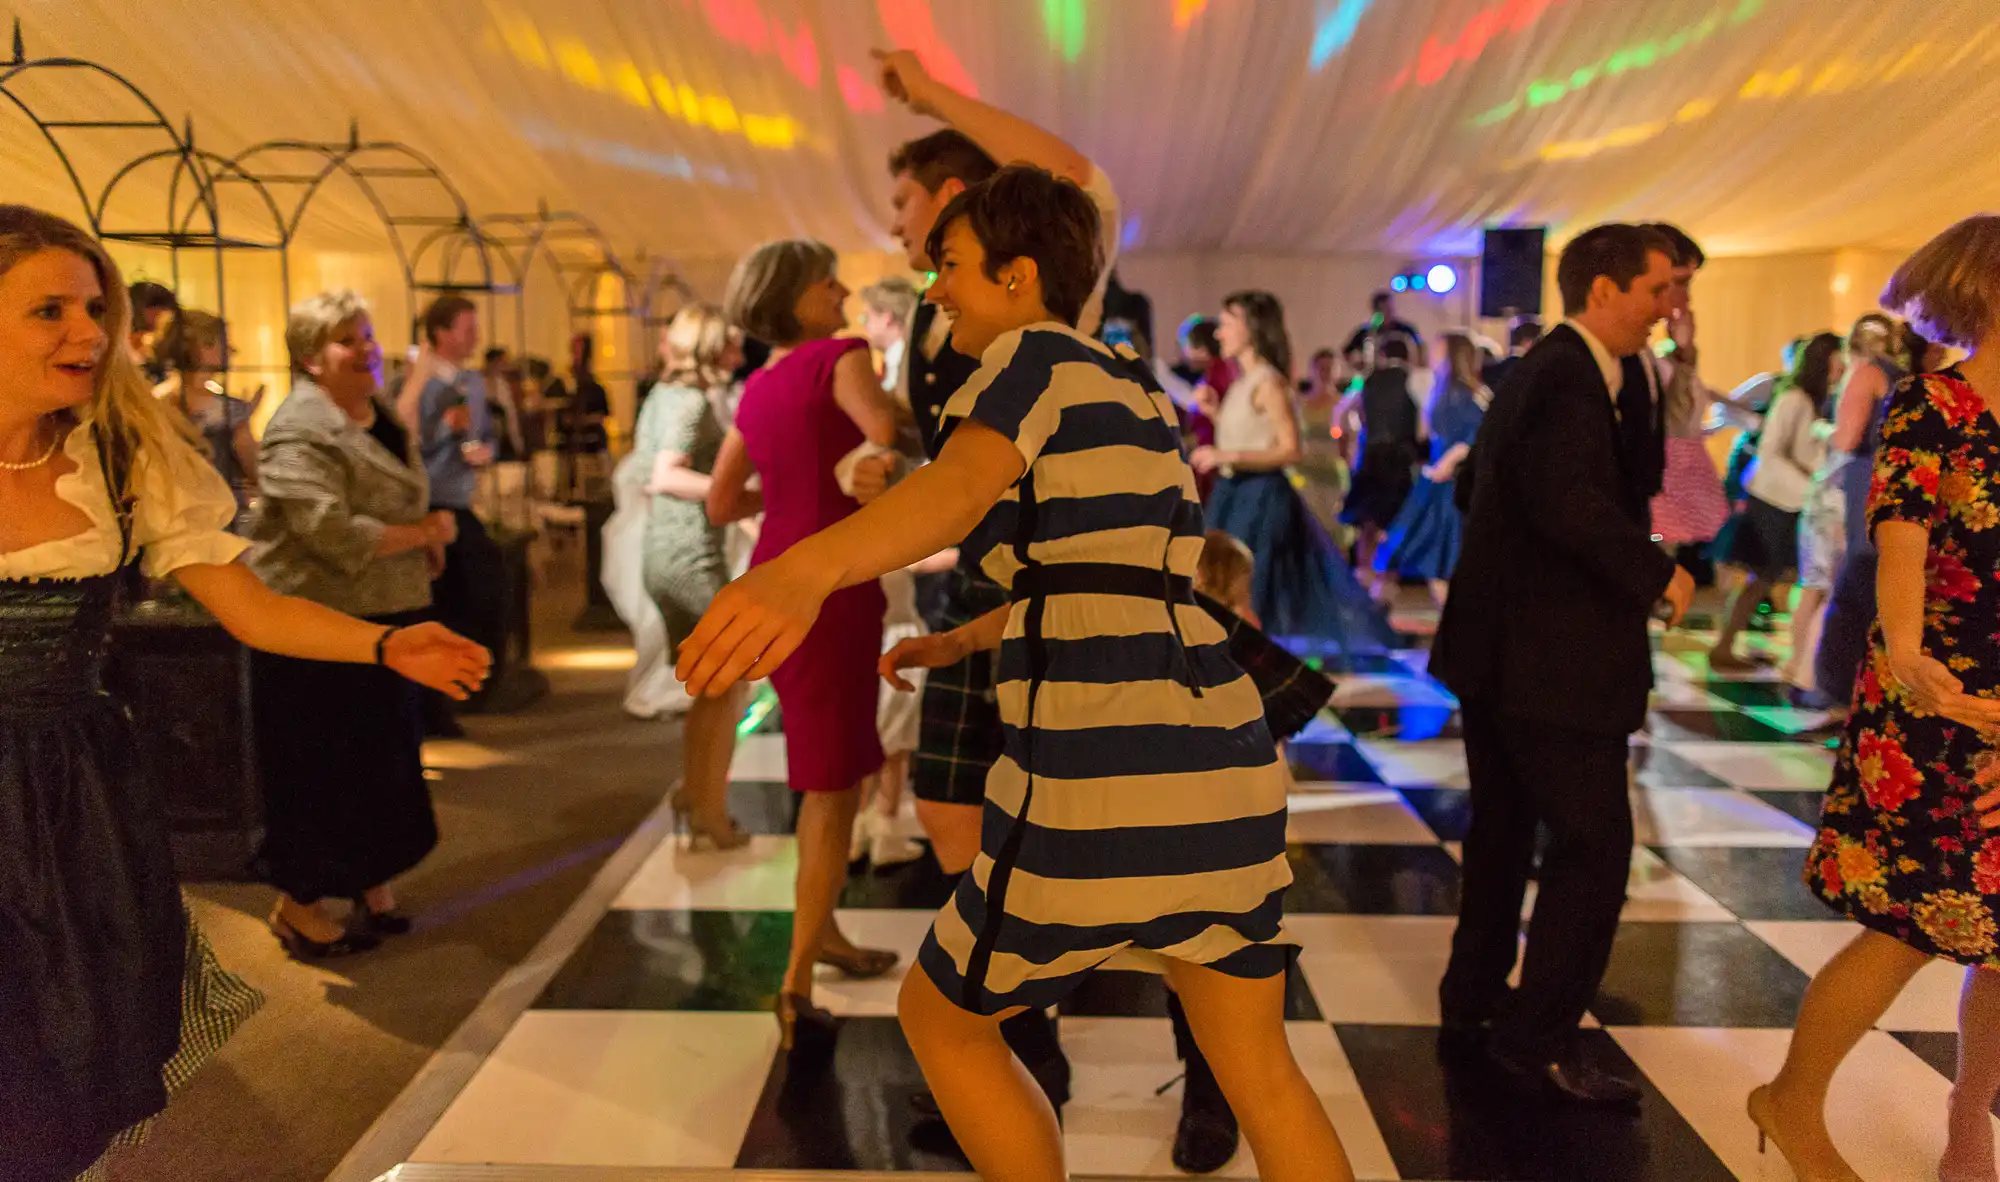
(1657, 893)
(1374, 969)
(1775, 766)
(758, 877)
(1439, 762)
(596, 1088)
(1886, 1111)
(1384, 690)
(1118, 1122)
(1712, 817)
(1929, 1003)
(1324, 728)
(1356, 815)
(759, 757)
(899, 931)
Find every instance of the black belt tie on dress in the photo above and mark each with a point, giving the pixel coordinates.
(1033, 584)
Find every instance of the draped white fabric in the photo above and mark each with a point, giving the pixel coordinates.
(1232, 128)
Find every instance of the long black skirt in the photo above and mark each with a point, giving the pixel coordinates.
(339, 748)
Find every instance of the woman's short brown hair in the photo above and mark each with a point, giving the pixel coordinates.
(189, 334)
(1224, 567)
(1026, 212)
(1950, 288)
(763, 294)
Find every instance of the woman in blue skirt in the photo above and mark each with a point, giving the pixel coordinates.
(1301, 587)
(1422, 542)
(1139, 804)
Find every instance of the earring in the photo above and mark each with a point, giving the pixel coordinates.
(1010, 284)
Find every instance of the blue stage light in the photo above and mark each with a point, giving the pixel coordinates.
(1400, 283)
(1416, 283)
(1443, 278)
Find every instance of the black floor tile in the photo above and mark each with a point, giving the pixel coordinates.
(1331, 761)
(1803, 805)
(1697, 974)
(1448, 811)
(1727, 726)
(1452, 1119)
(1656, 767)
(764, 806)
(1939, 1048)
(1372, 880)
(1754, 882)
(1404, 724)
(1749, 693)
(1106, 994)
(913, 886)
(675, 960)
(850, 1114)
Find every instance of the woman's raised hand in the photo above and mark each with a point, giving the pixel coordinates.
(435, 656)
(751, 626)
(934, 651)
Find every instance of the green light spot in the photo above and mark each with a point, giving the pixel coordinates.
(1541, 94)
(1676, 43)
(1745, 9)
(1065, 21)
(1618, 62)
(1499, 114)
(1644, 55)
(1583, 77)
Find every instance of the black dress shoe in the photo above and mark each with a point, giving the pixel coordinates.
(1569, 1078)
(1207, 1136)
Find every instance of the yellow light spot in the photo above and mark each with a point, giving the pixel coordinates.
(579, 65)
(1186, 10)
(1842, 283)
(665, 96)
(1756, 86)
(770, 131)
(523, 40)
(631, 85)
(720, 113)
(1787, 82)
(1909, 59)
(1693, 110)
(1625, 137)
(1832, 79)
(690, 102)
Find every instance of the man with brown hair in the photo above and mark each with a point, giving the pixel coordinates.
(1544, 640)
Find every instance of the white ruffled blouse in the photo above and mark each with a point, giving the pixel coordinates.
(181, 518)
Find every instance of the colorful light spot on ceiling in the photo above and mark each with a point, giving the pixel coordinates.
(1336, 30)
(1186, 10)
(578, 64)
(800, 53)
(1439, 57)
(1637, 56)
(739, 22)
(1128, 233)
(1065, 21)
(910, 25)
(859, 93)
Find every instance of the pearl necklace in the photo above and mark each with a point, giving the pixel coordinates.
(31, 465)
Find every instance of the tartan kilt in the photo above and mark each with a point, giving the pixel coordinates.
(959, 736)
(1294, 692)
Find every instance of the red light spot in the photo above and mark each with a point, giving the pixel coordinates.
(800, 54)
(738, 22)
(910, 25)
(1439, 56)
(860, 93)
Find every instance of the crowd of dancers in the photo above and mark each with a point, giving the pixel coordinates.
(1106, 552)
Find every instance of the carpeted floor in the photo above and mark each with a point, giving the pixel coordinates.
(528, 806)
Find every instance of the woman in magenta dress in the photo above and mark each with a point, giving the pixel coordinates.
(815, 400)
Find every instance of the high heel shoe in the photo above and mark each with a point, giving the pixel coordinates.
(1759, 1108)
(804, 1030)
(302, 947)
(723, 835)
(863, 964)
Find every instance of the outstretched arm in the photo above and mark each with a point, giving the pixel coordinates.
(760, 618)
(1007, 138)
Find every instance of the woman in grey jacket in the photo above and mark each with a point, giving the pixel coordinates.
(342, 521)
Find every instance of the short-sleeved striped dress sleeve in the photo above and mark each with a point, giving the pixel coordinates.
(1013, 391)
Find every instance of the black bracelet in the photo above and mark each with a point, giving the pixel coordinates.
(382, 645)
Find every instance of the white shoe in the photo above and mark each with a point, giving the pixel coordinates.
(891, 849)
(858, 841)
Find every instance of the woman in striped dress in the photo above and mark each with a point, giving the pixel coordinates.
(1139, 806)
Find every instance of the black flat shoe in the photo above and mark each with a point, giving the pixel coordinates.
(1570, 1079)
(381, 923)
(1207, 1137)
(304, 948)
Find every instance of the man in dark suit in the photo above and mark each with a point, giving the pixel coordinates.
(1544, 640)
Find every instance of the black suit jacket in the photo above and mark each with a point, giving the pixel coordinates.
(1558, 572)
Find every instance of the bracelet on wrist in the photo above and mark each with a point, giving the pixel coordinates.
(382, 645)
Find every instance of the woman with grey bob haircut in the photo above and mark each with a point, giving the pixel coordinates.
(343, 521)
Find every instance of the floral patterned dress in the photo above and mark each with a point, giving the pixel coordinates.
(1900, 849)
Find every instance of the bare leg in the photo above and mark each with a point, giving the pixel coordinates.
(710, 740)
(1805, 616)
(1742, 604)
(1000, 1116)
(380, 899)
(1968, 1150)
(826, 822)
(1366, 539)
(309, 920)
(1843, 1003)
(954, 832)
(1240, 1026)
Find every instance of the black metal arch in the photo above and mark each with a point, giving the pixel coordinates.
(443, 216)
(663, 277)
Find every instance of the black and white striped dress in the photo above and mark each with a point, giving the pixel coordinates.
(1139, 806)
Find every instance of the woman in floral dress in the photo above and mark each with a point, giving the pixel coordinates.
(1906, 845)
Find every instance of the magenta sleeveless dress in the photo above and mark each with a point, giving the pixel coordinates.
(795, 433)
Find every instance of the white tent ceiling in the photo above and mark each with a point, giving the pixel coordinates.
(697, 127)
